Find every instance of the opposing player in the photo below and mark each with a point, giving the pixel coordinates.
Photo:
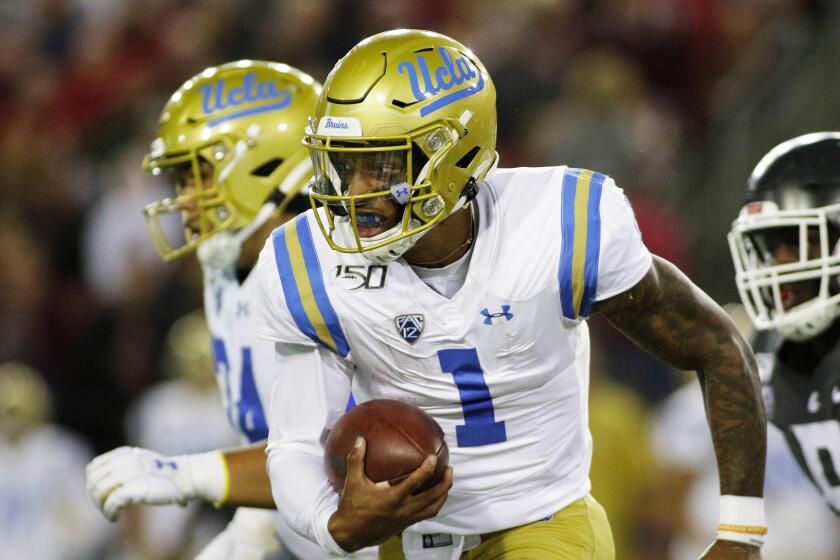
(229, 141)
(425, 276)
(785, 244)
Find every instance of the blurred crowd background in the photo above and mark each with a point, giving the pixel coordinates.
(675, 99)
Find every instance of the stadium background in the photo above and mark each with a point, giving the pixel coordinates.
(676, 99)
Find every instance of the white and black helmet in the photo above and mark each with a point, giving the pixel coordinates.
(793, 196)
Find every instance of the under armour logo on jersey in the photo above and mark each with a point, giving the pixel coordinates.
(814, 402)
(241, 308)
(410, 327)
(488, 317)
(161, 464)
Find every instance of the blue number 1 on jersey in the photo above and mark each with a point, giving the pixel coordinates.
(480, 427)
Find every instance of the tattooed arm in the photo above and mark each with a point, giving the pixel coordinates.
(670, 317)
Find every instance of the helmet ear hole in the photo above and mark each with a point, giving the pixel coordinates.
(418, 161)
(467, 158)
(267, 168)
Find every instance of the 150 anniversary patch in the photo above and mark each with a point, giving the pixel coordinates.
(369, 277)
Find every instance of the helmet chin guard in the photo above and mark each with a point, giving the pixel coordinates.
(392, 251)
(812, 323)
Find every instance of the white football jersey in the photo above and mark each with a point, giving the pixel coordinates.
(245, 368)
(503, 365)
(244, 365)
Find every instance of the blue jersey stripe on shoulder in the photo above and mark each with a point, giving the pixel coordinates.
(567, 217)
(316, 279)
(593, 243)
(290, 287)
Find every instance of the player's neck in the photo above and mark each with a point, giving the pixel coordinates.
(804, 357)
(445, 243)
(251, 247)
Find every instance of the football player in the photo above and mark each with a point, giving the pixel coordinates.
(427, 276)
(785, 244)
(229, 140)
(42, 510)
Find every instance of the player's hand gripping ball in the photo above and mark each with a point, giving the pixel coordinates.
(399, 437)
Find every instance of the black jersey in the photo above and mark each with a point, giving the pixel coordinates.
(801, 386)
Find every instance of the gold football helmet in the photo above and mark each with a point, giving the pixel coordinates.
(187, 353)
(229, 139)
(24, 399)
(408, 117)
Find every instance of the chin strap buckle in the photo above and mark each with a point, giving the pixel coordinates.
(470, 190)
(484, 169)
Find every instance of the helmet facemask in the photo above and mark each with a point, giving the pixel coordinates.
(198, 205)
(799, 297)
(353, 176)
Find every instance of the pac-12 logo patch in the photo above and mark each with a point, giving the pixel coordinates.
(410, 327)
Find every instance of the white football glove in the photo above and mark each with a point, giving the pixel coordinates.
(132, 475)
(249, 536)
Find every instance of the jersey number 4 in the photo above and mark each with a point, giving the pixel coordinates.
(480, 426)
(249, 418)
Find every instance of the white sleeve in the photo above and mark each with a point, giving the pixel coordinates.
(309, 393)
(624, 259)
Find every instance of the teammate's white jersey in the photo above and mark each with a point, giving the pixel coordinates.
(244, 365)
(245, 368)
(503, 365)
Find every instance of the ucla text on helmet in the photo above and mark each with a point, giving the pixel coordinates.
(450, 75)
(252, 91)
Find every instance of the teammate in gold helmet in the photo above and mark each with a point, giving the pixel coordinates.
(24, 400)
(229, 141)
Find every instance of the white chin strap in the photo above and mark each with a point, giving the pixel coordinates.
(391, 251)
(221, 251)
(395, 250)
(818, 320)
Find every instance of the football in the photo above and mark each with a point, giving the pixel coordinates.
(399, 437)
